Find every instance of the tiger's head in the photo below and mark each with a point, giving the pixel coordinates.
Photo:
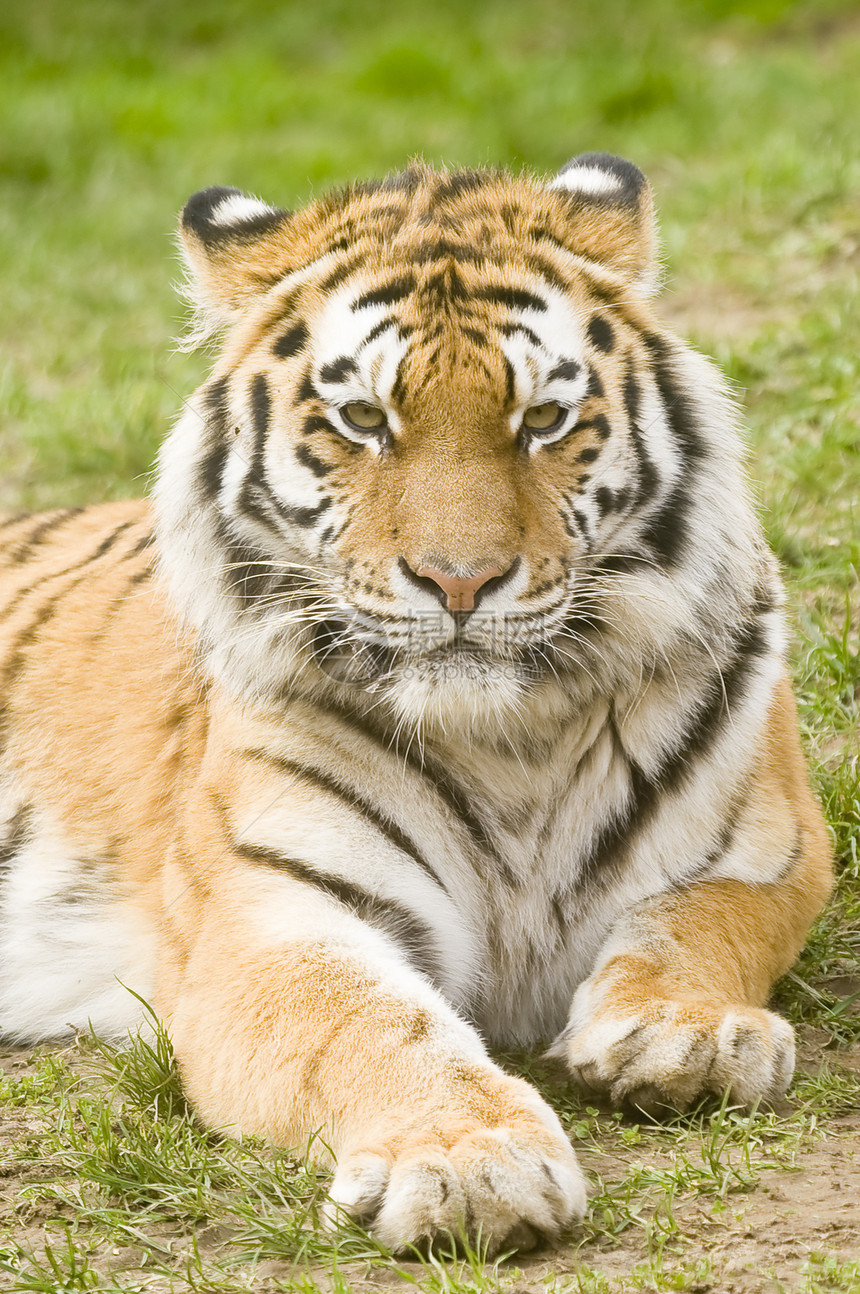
(447, 455)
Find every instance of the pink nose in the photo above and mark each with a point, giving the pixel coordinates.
(459, 590)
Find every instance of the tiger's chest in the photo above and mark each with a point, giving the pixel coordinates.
(544, 914)
(490, 857)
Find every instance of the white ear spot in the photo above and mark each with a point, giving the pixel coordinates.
(588, 179)
(238, 209)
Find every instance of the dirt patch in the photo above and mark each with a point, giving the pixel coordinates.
(756, 1241)
(784, 1209)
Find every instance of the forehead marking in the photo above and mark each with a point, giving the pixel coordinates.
(387, 294)
(338, 369)
(600, 333)
(513, 298)
(291, 342)
(568, 370)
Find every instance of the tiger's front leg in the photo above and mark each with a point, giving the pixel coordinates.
(292, 1019)
(675, 1006)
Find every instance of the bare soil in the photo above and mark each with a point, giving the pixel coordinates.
(758, 1240)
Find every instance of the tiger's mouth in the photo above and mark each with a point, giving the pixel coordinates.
(364, 652)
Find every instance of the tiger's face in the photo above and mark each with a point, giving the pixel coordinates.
(436, 426)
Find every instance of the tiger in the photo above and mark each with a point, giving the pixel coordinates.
(434, 707)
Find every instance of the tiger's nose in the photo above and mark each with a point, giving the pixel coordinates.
(457, 593)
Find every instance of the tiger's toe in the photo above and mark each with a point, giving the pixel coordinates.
(492, 1187)
(670, 1053)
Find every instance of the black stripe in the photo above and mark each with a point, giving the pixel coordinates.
(584, 528)
(45, 527)
(257, 499)
(414, 937)
(649, 478)
(632, 394)
(261, 408)
(595, 390)
(307, 390)
(385, 826)
(451, 795)
(341, 273)
(337, 369)
(18, 833)
(599, 423)
(540, 234)
(211, 470)
(544, 269)
(722, 845)
(254, 496)
(304, 517)
(398, 393)
(512, 298)
(609, 500)
(378, 329)
(248, 573)
(601, 334)
(454, 798)
(450, 186)
(387, 293)
(446, 286)
(118, 602)
(15, 520)
(667, 532)
(23, 593)
(508, 330)
(444, 250)
(316, 422)
(291, 342)
(311, 462)
(145, 542)
(566, 371)
(704, 723)
(679, 408)
(725, 691)
(510, 396)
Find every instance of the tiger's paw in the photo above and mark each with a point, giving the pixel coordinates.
(511, 1186)
(668, 1053)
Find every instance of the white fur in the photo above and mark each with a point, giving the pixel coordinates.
(68, 962)
(239, 207)
(591, 180)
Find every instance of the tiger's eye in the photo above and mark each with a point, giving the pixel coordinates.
(363, 417)
(544, 417)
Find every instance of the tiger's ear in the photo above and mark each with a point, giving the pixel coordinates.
(234, 247)
(612, 215)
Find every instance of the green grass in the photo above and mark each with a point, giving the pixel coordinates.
(124, 1168)
(744, 116)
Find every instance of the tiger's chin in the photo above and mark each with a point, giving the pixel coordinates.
(459, 694)
(443, 693)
